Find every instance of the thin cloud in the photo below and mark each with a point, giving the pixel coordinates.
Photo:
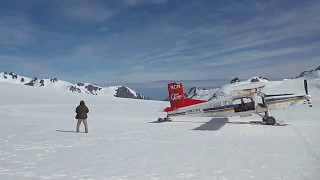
(86, 10)
(28, 66)
(104, 29)
(15, 31)
(137, 68)
(142, 2)
(253, 55)
(282, 69)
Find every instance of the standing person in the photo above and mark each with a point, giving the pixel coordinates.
(82, 111)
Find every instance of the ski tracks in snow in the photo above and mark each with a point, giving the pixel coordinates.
(313, 155)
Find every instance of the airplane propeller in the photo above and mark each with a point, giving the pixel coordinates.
(307, 92)
(306, 86)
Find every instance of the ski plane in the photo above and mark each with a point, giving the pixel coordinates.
(239, 99)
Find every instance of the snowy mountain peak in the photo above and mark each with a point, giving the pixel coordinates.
(83, 88)
(252, 79)
(315, 73)
(258, 79)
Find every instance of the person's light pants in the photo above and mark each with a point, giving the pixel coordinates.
(85, 122)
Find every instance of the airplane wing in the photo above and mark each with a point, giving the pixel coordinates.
(242, 88)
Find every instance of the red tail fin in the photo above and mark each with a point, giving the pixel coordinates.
(177, 99)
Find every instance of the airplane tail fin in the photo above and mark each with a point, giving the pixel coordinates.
(177, 98)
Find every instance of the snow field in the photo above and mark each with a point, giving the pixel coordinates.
(38, 140)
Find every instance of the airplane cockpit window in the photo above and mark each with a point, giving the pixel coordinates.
(261, 101)
(243, 104)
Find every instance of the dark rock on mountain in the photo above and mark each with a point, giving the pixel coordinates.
(53, 80)
(305, 73)
(235, 80)
(74, 89)
(92, 89)
(13, 76)
(32, 82)
(41, 82)
(257, 79)
(302, 74)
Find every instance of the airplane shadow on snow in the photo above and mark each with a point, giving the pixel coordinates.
(213, 125)
(216, 123)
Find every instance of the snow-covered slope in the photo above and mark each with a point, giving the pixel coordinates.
(38, 139)
(84, 88)
(315, 73)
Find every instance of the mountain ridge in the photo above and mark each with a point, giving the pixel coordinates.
(314, 73)
(82, 88)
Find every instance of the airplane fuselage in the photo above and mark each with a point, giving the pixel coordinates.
(238, 106)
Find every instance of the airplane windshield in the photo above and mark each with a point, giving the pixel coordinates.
(262, 94)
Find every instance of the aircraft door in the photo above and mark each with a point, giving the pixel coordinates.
(243, 104)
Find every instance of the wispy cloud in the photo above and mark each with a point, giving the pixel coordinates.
(103, 29)
(256, 55)
(262, 38)
(15, 31)
(281, 70)
(28, 66)
(141, 40)
(141, 2)
(86, 10)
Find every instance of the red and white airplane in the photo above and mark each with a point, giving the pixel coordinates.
(241, 99)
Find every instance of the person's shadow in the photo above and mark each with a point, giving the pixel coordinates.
(65, 131)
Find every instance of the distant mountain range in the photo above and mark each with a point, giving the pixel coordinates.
(83, 88)
(155, 89)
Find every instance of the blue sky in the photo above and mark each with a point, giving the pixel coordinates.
(112, 41)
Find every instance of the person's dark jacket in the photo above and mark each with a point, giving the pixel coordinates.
(82, 111)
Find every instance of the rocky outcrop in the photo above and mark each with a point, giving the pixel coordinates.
(257, 79)
(53, 80)
(32, 82)
(125, 92)
(13, 75)
(235, 80)
(74, 89)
